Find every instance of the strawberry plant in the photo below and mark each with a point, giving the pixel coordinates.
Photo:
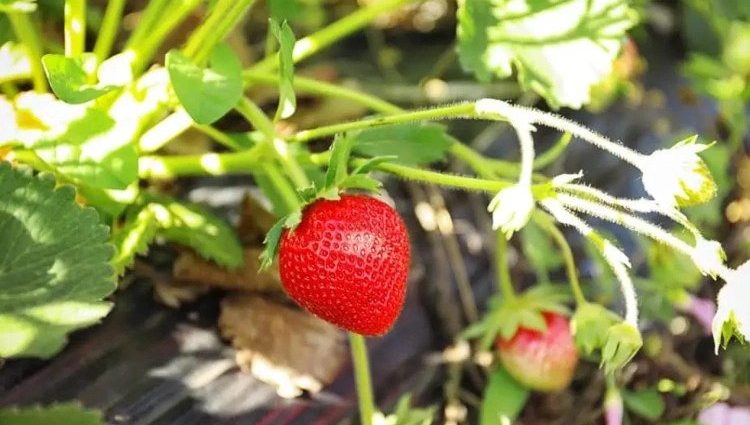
(95, 119)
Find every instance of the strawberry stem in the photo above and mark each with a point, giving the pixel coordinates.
(362, 378)
(570, 265)
(503, 271)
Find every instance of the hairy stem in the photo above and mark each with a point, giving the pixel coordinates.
(502, 267)
(570, 265)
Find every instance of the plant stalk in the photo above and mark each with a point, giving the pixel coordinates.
(108, 31)
(28, 35)
(75, 27)
(362, 378)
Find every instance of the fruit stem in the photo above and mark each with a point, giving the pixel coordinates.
(503, 269)
(28, 36)
(75, 27)
(549, 226)
(108, 31)
(362, 378)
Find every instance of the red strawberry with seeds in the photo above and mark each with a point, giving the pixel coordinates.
(347, 262)
(542, 361)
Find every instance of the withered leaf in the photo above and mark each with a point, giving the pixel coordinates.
(190, 268)
(284, 347)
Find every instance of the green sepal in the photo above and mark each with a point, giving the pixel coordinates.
(505, 316)
(623, 342)
(273, 237)
(590, 325)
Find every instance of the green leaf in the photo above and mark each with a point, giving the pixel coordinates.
(648, 403)
(590, 325)
(273, 237)
(504, 398)
(92, 151)
(410, 143)
(206, 93)
(54, 265)
(559, 48)
(71, 78)
(133, 238)
(17, 6)
(14, 62)
(287, 99)
(193, 226)
(57, 414)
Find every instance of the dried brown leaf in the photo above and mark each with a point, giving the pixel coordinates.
(174, 295)
(190, 268)
(282, 346)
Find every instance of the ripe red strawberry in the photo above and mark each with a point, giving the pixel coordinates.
(542, 361)
(347, 262)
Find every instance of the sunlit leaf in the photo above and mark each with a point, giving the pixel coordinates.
(206, 93)
(411, 143)
(559, 49)
(54, 265)
(503, 400)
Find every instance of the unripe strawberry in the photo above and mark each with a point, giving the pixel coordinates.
(542, 361)
(347, 262)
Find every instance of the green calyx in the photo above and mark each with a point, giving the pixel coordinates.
(623, 342)
(505, 316)
(590, 326)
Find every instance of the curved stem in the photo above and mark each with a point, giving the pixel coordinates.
(108, 30)
(75, 27)
(24, 29)
(570, 265)
(312, 86)
(362, 379)
(255, 116)
(503, 268)
(149, 16)
(464, 109)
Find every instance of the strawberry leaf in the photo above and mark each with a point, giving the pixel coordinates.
(648, 403)
(54, 265)
(133, 238)
(57, 414)
(410, 143)
(503, 400)
(70, 78)
(206, 93)
(539, 38)
(199, 229)
(287, 99)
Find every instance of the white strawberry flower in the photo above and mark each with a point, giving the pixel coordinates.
(511, 208)
(678, 177)
(733, 310)
(709, 257)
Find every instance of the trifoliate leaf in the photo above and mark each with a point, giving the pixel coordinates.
(287, 99)
(503, 400)
(199, 229)
(54, 265)
(559, 48)
(133, 238)
(14, 62)
(58, 414)
(17, 6)
(206, 93)
(410, 143)
(71, 78)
